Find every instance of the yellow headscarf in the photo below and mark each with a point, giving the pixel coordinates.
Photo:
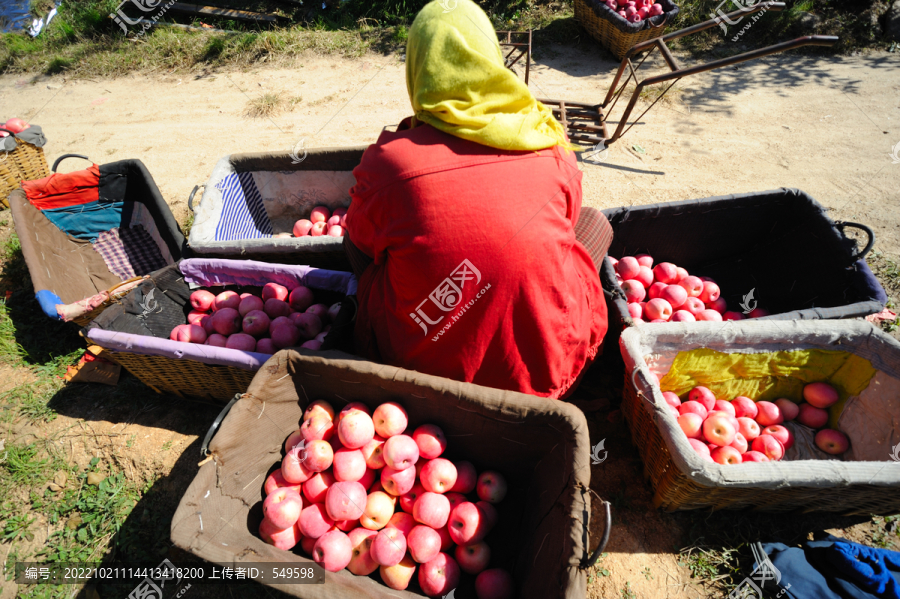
(457, 82)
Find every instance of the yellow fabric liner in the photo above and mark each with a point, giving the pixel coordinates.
(769, 376)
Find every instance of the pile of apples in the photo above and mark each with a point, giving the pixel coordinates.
(741, 430)
(671, 293)
(274, 320)
(355, 492)
(635, 11)
(322, 221)
(15, 125)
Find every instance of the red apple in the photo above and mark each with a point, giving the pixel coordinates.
(658, 309)
(194, 317)
(832, 441)
(694, 306)
(400, 452)
(489, 515)
(700, 447)
(408, 500)
(491, 487)
(748, 427)
(16, 125)
(356, 429)
(473, 559)
(398, 482)
(318, 229)
(311, 345)
(725, 406)
(466, 478)
(403, 522)
(438, 475)
(275, 307)
(740, 443)
(390, 419)
(314, 521)
(656, 10)
(368, 478)
(691, 423)
(655, 290)
(718, 429)
(266, 346)
(784, 436)
(719, 305)
(188, 333)
(388, 546)
(634, 291)
(439, 576)
(494, 584)
(274, 290)
(301, 298)
(732, 316)
(256, 323)
(249, 304)
(754, 456)
(671, 399)
(644, 260)
(302, 227)
(293, 468)
(398, 576)
(769, 413)
(744, 406)
(710, 292)
(676, 295)
(226, 321)
(789, 410)
(282, 507)
(349, 464)
(241, 341)
(466, 524)
(710, 316)
(227, 299)
(430, 440)
(319, 455)
(645, 276)
(665, 272)
(820, 395)
(345, 500)
(432, 509)
(692, 285)
(333, 551)
(636, 310)
(316, 488)
(373, 453)
(378, 512)
(276, 481)
(811, 416)
(320, 214)
(317, 428)
(628, 268)
(726, 455)
(769, 446)
(284, 539)
(758, 313)
(693, 407)
(424, 543)
(361, 562)
(308, 325)
(682, 316)
(334, 231)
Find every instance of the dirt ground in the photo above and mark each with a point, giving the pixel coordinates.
(823, 125)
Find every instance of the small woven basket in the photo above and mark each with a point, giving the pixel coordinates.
(615, 33)
(26, 163)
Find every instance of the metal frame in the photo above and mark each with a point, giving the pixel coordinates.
(519, 43)
(587, 123)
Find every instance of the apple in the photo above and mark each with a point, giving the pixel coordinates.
(748, 427)
(353, 406)
(700, 447)
(718, 305)
(656, 10)
(789, 410)
(378, 512)
(676, 295)
(491, 487)
(691, 423)
(306, 543)
(665, 272)
(769, 414)
(276, 480)
(320, 310)
(671, 399)
(356, 429)
(16, 125)
(494, 584)
(432, 509)
(285, 539)
(645, 276)
(308, 325)
(438, 475)
(710, 292)
(754, 456)
(194, 317)
(320, 407)
(317, 428)
(694, 407)
(732, 316)
(658, 309)
(226, 321)
(241, 341)
(256, 323)
(316, 488)
(293, 467)
(390, 419)
(758, 313)
(682, 272)
(725, 406)
(655, 289)
(473, 559)
(398, 576)
(320, 214)
(466, 524)
(403, 522)
(388, 546)
(636, 310)
(312, 345)
(300, 298)
(302, 227)
(282, 507)
(361, 562)
(368, 479)
(692, 285)
(373, 453)
(430, 440)
(319, 455)
(314, 521)
(725, 455)
(489, 515)
(207, 324)
(333, 551)
(832, 442)
(634, 290)
(635, 16)
(769, 446)
(439, 576)
(628, 268)
(349, 464)
(274, 290)
(266, 346)
(408, 499)
(744, 406)
(400, 452)
(784, 436)
(694, 306)
(812, 416)
(718, 429)
(226, 299)
(275, 307)
(334, 231)
(188, 333)
(820, 395)
(319, 229)
(710, 316)
(740, 443)
(346, 500)
(398, 482)
(251, 303)
(682, 316)
(424, 543)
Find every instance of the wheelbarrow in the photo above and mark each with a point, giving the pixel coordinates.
(587, 123)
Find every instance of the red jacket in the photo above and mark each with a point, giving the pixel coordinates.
(477, 275)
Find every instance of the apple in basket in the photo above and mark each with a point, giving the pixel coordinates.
(226, 321)
(612, 5)
(320, 214)
(302, 227)
(202, 300)
(16, 125)
(820, 395)
(439, 576)
(318, 229)
(656, 10)
(473, 559)
(227, 299)
(812, 416)
(832, 441)
(789, 410)
(256, 323)
(495, 583)
(361, 562)
(658, 309)
(333, 551)
(241, 341)
(188, 333)
(335, 231)
(634, 291)
(398, 576)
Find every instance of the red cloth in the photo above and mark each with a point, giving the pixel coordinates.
(442, 216)
(64, 189)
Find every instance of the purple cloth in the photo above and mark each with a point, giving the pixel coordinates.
(110, 248)
(141, 249)
(214, 272)
(176, 350)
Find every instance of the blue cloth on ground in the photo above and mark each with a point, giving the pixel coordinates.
(835, 568)
(86, 221)
(48, 300)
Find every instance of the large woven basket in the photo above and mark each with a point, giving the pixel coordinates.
(685, 482)
(26, 163)
(616, 34)
(114, 296)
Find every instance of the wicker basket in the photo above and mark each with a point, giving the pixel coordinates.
(613, 32)
(186, 379)
(114, 296)
(26, 163)
(675, 490)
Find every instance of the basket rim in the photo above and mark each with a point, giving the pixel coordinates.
(601, 10)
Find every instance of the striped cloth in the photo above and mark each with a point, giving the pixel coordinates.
(109, 246)
(243, 214)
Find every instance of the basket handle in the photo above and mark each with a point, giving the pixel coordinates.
(191, 197)
(589, 560)
(215, 425)
(867, 230)
(64, 156)
(117, 285)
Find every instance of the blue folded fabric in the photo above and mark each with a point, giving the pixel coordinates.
(86, 221)
(48, 300)
(868, 567)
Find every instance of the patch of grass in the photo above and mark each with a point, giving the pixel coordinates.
(270, 104)
(30, 401)
(711, 567)
(16, 527)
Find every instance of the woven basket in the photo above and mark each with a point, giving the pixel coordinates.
(615, 33)
(26, 163)
(87, 317)
(185, 378)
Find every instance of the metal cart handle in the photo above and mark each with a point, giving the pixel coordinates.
(215, 425)
(64, 156)
(588, 561)
(191, 197)
(867, 230)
